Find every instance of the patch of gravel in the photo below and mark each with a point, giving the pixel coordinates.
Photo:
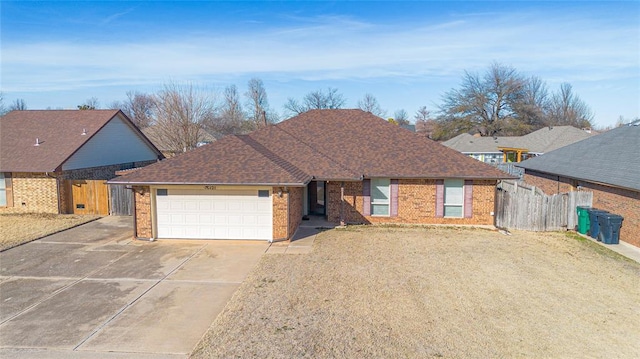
(17, 227)
(372, 292)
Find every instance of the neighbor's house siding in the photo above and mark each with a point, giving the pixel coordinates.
(142, 201)
(35, 192)
(416, 203)
(615, 200)
(115, 143)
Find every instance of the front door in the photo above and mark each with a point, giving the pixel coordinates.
(317, 195)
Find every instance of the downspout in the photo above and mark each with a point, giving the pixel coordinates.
(135, 214)
(288, 216)
(342, 203)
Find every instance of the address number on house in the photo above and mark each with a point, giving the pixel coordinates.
(211, 188)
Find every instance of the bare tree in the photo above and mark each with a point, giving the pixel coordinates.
(181, 113)
(401, 116)
(485, 104)
(531, 109)
(566, 108)
(422, 114)
(424, 123)
(139, 108)
(18, 105)
(3, 109)
(89, 104)
(316, 100)
(232, 117)
(258, 104)
(370, 104)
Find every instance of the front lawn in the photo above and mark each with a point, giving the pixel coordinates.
(19, 227)
(375, 292)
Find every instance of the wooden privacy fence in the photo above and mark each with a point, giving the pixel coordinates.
(510, 168)
(520, 206)
(120, 200)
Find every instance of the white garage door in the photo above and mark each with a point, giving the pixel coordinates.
(214, 214)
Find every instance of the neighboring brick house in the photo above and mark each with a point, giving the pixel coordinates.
(607, 164)
(347, 165)
(57, 161)
(517, 148)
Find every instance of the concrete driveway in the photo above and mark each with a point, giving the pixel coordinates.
(93, 292)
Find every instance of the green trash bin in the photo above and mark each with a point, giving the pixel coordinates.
(583, 219)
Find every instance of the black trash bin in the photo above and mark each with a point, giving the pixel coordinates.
(594, 225)
(609, 228)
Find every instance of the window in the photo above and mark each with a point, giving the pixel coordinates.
(380, 196)
(263, 193)
(453, 198)
(3, 191)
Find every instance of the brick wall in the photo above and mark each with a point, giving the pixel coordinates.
(287, 212)
(35, 192)
(280, 214)
(295, 208)
(615, 200)
(549, 184)
(142, 198)
(40, 192)
(102, 172)
(416, 203)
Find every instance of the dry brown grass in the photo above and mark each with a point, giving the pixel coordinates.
(18, 227)
(434, 292)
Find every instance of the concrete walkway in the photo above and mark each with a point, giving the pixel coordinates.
(630, 251)
(92, 292)
(302, 241)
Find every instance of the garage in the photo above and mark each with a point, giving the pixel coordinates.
(214, 213)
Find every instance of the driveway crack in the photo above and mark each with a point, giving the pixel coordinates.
(128, 305)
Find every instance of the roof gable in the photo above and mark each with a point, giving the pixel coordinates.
(609, 158)
(60, 133)
(320, 144)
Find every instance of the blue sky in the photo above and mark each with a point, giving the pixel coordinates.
(406, 53)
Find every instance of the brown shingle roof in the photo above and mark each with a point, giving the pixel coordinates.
(321, 144)
(58, 131)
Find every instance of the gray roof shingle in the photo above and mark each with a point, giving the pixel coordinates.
(321, 144)
(611, 158)
(541, 141)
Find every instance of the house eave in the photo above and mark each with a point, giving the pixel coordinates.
(273, 184)
(584, 180)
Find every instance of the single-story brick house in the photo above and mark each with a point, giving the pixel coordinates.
(347, 165)
(607, 164)
(57, 161)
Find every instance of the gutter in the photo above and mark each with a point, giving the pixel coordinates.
(299, 184)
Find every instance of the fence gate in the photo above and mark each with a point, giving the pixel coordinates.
(89, 197)
(121, 200)
(519, 206)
